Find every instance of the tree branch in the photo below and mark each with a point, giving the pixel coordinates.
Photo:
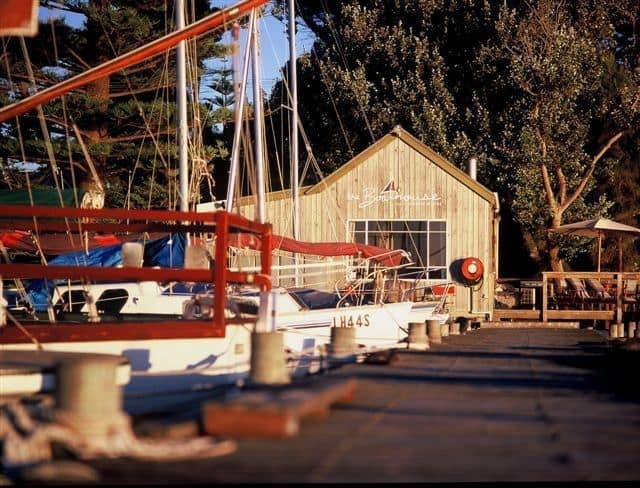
(546, 181)
(591, 169)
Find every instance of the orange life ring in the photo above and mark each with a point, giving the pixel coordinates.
(472, 269)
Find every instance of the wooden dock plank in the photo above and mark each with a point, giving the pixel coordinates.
(274, 411)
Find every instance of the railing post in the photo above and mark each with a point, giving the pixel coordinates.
(220, 266)
(545, 293)
(619, 292)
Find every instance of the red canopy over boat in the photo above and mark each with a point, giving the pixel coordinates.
(54, 244)
(382, 255)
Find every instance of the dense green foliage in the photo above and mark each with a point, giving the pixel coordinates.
(543, 92)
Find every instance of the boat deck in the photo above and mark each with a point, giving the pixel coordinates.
(510, 404)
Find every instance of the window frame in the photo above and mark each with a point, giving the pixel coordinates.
(431, 273)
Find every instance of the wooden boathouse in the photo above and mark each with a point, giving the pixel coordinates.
(399, 193)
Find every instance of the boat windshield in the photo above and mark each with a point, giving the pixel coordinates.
(315, 299)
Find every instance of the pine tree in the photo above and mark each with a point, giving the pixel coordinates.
(127, 121)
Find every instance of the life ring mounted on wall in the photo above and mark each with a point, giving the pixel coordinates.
(472, 270)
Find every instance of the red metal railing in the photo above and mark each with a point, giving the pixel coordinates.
(220, 223)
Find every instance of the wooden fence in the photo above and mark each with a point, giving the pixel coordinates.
(559, 301)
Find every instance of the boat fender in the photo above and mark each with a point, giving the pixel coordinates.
(472, 269)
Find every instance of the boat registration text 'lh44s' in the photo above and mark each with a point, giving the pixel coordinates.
(359, 320)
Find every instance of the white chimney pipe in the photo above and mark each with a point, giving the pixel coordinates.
(473, 167)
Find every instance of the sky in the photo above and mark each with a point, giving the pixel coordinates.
(274, 44)
(273, 41)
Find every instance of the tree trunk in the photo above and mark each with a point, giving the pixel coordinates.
(555, 262)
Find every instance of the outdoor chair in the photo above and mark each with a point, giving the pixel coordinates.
(563, 296)
(578, 295)
(630, 295)
(600, 297)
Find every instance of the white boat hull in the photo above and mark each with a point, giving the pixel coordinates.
(26, 371)
(165, 370)
(307, 330)
(162, 371)
(377, 326)
(132, 299)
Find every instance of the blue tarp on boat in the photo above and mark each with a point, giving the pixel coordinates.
(166, 252)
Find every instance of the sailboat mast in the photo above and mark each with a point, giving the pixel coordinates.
(181, 97)
(266, 319)
(239, 113)
(257, 123)
(293, 84)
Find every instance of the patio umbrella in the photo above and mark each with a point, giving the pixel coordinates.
(600, 228)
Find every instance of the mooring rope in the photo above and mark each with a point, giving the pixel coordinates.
(27, 433)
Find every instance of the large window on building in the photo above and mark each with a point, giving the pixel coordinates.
(425, 240)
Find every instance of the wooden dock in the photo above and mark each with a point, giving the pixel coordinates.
(545, 404)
